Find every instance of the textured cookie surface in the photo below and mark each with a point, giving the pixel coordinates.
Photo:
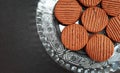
(113, 28)
(112, 7)
(67, 12)
(74, 37)
(99, 48)
(90, 3)
(94, 19)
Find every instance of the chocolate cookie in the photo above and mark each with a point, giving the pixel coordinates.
(89, 3)
(99, 48)
(112, 7)
(67, 12)
(113, 28)
(74, 37)
(94, 19)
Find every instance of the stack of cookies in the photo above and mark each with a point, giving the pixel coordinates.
(95, 19)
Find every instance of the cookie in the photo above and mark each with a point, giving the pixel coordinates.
(74, 37)
(90, 3)
(113, 29)
(94, 19)
(99, 48)
(112, 7)
(67, 12)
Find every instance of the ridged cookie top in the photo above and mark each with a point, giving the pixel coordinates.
(112, 7)
(113, 28)
(94, 19)
(90, 3)
(74, 37)
(99, 48)
(67, 12)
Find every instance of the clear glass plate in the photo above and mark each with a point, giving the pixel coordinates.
(49, 32)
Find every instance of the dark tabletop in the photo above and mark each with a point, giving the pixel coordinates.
(20, 48)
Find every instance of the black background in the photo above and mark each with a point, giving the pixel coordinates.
(20, 48)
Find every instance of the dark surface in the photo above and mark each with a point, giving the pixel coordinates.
(20, 48)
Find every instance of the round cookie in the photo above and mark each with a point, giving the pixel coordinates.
(113, 28)
(90, 3)
(94, 19)
(99, 48)
(74, 37)
(112, 7)
(67, 12)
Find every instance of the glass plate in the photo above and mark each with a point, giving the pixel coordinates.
(49, 32)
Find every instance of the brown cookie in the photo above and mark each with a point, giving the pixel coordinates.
(112, 7)
(113, 28)
(74, 37)
(89, 3)
(67, 12)
(94, 19)
(99, 48)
